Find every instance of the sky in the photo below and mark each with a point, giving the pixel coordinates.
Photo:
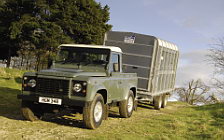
(193, 25)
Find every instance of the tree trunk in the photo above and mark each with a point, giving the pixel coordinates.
(9, 58)
(21, 63)
(27, 64)
(37, 62)
(49, 61)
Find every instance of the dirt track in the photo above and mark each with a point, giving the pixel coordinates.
(13, 126)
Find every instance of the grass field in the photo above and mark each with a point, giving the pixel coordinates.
(177, 121)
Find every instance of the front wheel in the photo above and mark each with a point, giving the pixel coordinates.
(93, 113)
(126, 107)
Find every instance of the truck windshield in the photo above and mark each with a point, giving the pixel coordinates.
(86, 59)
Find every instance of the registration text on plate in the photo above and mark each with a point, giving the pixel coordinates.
(48, 100)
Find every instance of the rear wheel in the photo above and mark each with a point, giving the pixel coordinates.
(157, 101)
(126, 107)
(93, 114)
(30, 111)
(164, 100)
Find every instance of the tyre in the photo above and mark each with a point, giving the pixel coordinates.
(93, 114)
(164, 100)
(29, 111)
(157, 101)
(126, 107)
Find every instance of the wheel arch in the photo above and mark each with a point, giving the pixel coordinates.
(134, 90)
(93, 90)
(103, 92)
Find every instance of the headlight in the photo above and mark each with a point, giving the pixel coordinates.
(29, 83)
(32, 83)
(77, 87)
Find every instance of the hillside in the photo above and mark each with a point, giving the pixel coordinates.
(177, 121)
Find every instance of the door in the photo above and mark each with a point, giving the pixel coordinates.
(115, 81)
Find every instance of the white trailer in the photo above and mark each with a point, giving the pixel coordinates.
(153, 59)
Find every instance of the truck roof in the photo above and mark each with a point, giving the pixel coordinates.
(112, 48)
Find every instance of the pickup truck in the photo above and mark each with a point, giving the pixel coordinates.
(85, 77)
(127, 69)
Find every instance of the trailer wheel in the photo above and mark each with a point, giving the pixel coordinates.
(126, 107)
(164, 100)
(157, 102)
(30, 112)
(93, 114)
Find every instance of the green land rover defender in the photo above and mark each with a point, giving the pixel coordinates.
(84, 77)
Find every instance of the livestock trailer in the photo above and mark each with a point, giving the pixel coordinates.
(153, 59)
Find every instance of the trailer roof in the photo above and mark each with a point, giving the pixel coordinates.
(167, 44)
(112, 48)
(138, 39)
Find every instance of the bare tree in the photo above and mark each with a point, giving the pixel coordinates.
(194, 92)
(216, 58)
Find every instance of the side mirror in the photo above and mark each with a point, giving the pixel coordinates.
(116, 67)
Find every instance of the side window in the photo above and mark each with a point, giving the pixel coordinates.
(115, 63)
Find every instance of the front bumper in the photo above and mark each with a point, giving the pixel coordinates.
(65, 100)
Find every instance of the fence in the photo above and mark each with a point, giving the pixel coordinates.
(25, 64)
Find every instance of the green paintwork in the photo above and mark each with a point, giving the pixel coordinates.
(116, 84)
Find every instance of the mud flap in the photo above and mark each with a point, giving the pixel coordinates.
(106, 112)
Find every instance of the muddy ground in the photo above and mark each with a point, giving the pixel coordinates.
(70, 126)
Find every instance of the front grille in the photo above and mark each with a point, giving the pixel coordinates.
(52, 86)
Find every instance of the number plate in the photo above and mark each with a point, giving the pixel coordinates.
(48, 100)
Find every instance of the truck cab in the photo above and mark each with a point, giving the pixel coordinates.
(86, 77)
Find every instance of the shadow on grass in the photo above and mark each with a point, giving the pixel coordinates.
(114, 114)
(10, 108)
(18, 80)
(70, 119)
(145, 105)
(6, 78)
(65, 119)
(9, 104)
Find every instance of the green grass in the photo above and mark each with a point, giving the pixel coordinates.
(177, 121)
(10, 85)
